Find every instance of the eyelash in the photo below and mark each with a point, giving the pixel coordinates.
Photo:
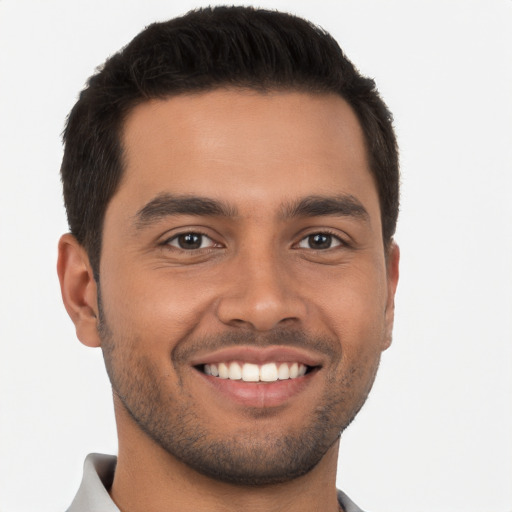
(176, 237)
(325, 232)
(339, 242)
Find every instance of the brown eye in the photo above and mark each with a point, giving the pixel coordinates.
(191, 241)
(319, 241)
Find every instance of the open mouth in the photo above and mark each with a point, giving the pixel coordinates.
(250, 372)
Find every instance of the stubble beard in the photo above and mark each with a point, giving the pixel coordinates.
(250, 457)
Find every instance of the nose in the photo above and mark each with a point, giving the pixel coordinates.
(260, 295)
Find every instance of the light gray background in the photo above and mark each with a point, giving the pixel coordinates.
(436, 432)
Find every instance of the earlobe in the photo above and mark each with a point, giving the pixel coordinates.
(79, 290)
(392, 262)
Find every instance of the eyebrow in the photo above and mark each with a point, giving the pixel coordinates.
(315, 206)
(168, 205)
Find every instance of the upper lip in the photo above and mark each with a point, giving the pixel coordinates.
(259, 355)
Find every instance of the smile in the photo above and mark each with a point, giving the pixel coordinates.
(250, 372)
(258, 377)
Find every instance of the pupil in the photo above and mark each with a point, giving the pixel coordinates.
(320, 241)
(190, 241)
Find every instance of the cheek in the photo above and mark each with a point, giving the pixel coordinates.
(158, 308)
(356, 318)
(353, 309)
(352, 305)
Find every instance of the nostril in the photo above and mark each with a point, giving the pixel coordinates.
(261, 304)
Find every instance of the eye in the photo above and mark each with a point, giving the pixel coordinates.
(320, 241)
(191, 241)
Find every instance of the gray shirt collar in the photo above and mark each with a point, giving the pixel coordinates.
(92, 496)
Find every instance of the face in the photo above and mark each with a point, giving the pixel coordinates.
(245, 292)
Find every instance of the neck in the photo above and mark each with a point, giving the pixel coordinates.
(148, 479)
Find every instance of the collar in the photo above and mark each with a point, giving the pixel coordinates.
(93, 496)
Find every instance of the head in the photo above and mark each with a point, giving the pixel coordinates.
(231, 184)
(208, 49)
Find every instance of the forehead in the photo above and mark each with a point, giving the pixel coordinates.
(244, 146)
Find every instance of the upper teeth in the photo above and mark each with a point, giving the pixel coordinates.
(249, 372)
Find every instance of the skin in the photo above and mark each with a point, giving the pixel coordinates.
(258, 283)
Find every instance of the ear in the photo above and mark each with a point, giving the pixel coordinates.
(392, 269)
(79, 290)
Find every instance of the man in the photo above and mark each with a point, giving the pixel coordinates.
(231, 184)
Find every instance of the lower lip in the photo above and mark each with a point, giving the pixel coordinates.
(259, 394)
